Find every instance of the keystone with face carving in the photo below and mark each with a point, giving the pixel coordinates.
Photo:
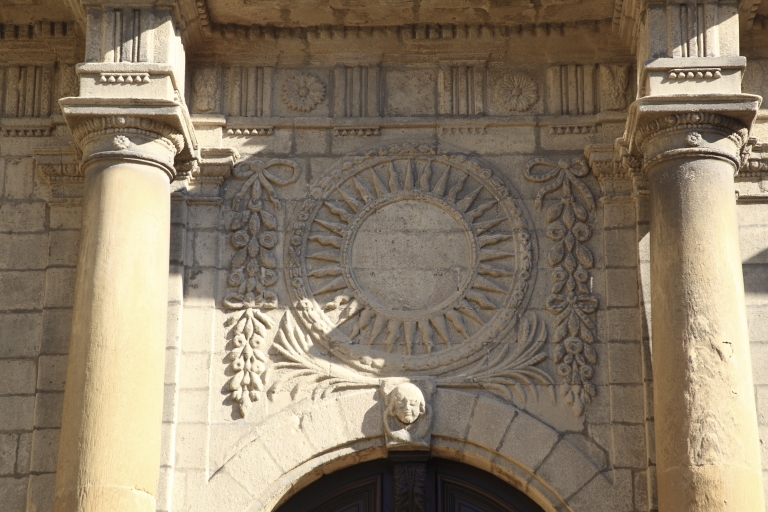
(407, 417)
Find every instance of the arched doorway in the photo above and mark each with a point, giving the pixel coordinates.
(410, 482)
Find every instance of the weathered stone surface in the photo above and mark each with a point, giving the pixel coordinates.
(23, 412)
(18, 377)
(367, 197)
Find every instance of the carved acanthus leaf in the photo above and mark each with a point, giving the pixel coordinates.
(300, 370)
(510, 368)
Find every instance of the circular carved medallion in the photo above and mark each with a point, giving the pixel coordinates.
(407, 260)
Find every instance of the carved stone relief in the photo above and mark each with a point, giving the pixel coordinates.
(303, 92)
(410, 484)
(614, 80)
(407, 415)
(206, 90)
(462, 89)
(360, 265)
(409, 270)
(248, 91)
(356, 91)
(585, 89)
(571, 300)
(516, 92)
(253, 272)
(27, 91)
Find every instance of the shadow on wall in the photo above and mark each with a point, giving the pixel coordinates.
(755, 271)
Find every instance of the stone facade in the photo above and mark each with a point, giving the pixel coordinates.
(401, 226)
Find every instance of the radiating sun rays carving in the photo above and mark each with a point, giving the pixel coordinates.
(407, 260)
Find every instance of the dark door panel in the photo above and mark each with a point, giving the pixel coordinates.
(404, 485)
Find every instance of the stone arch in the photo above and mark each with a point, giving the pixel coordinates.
(293, 449)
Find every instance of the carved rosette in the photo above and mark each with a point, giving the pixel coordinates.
(303, 92)
(516, 92)
(571, 301)
(126, 138)
(408, 260)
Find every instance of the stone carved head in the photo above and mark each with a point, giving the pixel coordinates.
(407, 416)
(406, 403)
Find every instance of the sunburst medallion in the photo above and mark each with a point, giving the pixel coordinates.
(409, 260)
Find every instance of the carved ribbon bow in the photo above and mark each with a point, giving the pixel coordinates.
(260, 180)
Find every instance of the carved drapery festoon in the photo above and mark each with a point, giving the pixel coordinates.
(571, 301)
(358, 317)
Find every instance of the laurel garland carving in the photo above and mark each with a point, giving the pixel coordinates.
(253, 273)
(511, 370)
(302, 370)
(571, 300)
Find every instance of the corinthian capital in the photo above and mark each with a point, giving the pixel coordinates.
(129, 137)
(714, 126)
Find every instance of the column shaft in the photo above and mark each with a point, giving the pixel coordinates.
(110, 439)
(707, 446)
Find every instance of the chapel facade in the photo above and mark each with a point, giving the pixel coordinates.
(404, 255)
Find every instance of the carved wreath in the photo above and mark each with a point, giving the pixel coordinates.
(338, 338)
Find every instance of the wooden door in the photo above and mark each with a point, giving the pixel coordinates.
(410, 484)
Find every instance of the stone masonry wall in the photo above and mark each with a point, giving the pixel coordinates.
(220, 452)
(38, 256)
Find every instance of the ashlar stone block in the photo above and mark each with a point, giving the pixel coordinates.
(18, 376)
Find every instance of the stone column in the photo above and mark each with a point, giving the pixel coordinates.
(687, 132)
(130, 124)
(110, 437)
(707, 445)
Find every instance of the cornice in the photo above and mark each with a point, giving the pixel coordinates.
(41, 42)
(40, 31)
(448, 38)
